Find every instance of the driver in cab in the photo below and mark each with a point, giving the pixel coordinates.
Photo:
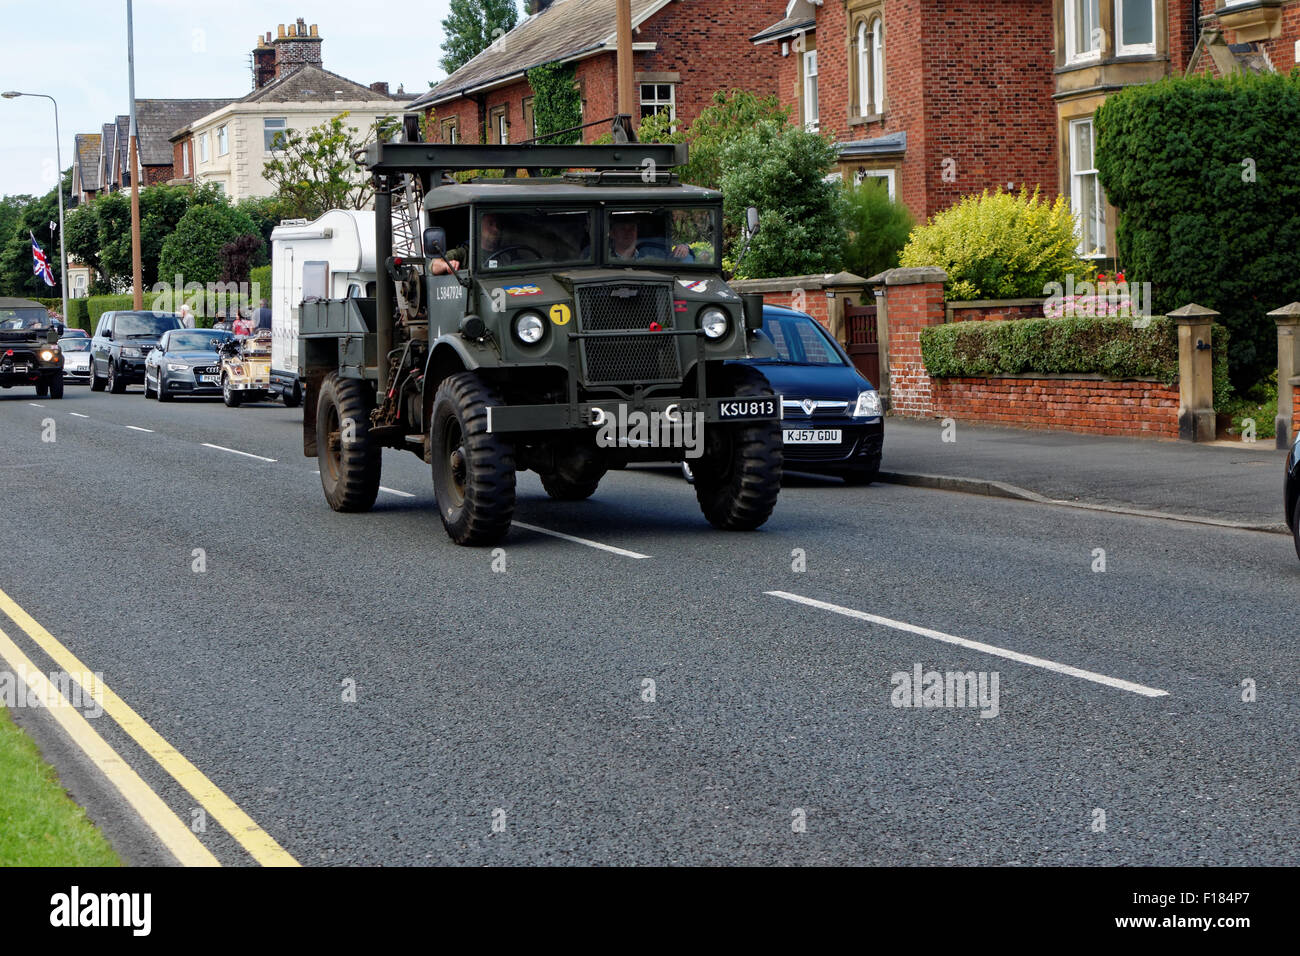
(490, 240)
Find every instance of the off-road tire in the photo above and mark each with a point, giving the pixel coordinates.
(349, 471)
(96, 383)
(564, 489)
(115, 384)
(738, 478)
(230, 396)
(473, 470)
(56, 388)
(42, 389)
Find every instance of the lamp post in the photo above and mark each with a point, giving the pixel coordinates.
(58, 158)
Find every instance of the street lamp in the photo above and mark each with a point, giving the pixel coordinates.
(58, 158)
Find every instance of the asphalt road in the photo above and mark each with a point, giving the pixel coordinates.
(518, 699)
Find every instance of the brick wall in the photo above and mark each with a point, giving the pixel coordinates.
(993, 311)
(911, 308)
(1295, 411)
(153, 175)
(1142, 409)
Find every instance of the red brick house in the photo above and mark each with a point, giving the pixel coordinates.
(943, 98)
(684, 51)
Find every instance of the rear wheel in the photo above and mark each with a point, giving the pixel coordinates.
(350, 462)
(738, 478)
(473, 470)
(56, 387)
(228, 394)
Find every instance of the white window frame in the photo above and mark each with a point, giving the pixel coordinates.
(223, 140)
(185, 158)
(282, 129)
(1069, 7)
(1135, 49)
(1076, 177)
(811, 104)
(204, 154)
(864, 64)
(878, 65)
(888, 175)
(654, 101)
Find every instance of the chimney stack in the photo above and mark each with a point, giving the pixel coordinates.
(380, 87)
(263, 62)
(297, 46)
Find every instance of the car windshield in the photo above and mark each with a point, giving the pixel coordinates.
(672, 235)
(198, 340)
(75, 345)
(15, 320)
(152, 324)
(799, 340)
(528, 238)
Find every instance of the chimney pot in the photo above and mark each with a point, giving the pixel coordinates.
(280, 31)
(314, 31)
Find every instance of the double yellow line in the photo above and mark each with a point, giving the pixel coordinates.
(177, 837)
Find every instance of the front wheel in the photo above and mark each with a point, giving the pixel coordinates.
(161, 392)
(350, 462)
(42, 389)
(146, 384)
(115, 384)
(473, 469)
(96, 383)
(738, 478)
(56, 388)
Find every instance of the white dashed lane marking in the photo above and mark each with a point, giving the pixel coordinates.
(975, 645)
(78, 415)
(137, 428)
(236, 451)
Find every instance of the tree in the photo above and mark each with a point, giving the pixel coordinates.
(237, 257)
(11, 210)
(557, 103)
(472, 26)
(17, 277)
(266, 213)
(878, 228)
(729, 116)
(313, 170)
(782, 170)
(193, 250)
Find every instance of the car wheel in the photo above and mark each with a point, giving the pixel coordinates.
(473, 469)
(349, 469)
(146, 383)
(42, 389)
(161, 392)
(228, 394)
(96, 383)
(115, 384)
(1295, 524)
(56, 388)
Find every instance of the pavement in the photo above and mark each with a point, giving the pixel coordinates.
(622, 684)
(1229, 483)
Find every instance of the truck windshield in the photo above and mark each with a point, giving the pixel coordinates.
(664, 234)
(13, 320)
(527, 238)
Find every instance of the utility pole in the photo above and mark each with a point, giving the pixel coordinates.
(137, 266)
(626, 104)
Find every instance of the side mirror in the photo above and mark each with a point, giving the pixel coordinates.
(435, 241)
(108, 333)
(751, 221)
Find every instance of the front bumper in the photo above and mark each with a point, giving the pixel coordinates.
(515, 419)
(859, 448)
(130, 370)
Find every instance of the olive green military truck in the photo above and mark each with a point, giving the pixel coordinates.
(569, 324)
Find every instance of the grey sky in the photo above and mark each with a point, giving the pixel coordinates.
(76, 52)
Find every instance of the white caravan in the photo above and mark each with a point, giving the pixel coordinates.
(331, 258)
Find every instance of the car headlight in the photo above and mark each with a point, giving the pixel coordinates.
(49, 355)
(868, 405)
(714, 322)
(131, 353)
(173, 367)
(529, 328)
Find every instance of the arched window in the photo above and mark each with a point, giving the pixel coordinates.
(864, 71)
(878, 65)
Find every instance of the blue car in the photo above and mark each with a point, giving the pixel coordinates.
(1291, 493)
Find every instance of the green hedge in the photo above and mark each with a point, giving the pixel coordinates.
(1069, 346)
(78, 316)
(97, 305)
(262, 277)
(1206, 177)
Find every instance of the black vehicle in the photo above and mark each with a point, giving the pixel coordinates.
(29, 353)
(832, 419)
(121, 343)
(1291, 493)
(186, 362)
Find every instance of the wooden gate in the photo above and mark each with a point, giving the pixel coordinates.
(863, 346)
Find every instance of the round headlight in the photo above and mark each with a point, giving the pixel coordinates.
(47, 356)
(529, 328)
(714, 322)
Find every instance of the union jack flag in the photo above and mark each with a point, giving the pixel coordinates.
(42, 268)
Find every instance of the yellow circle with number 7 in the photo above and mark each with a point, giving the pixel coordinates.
(560, 314)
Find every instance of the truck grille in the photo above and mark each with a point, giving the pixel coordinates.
(641, 356)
